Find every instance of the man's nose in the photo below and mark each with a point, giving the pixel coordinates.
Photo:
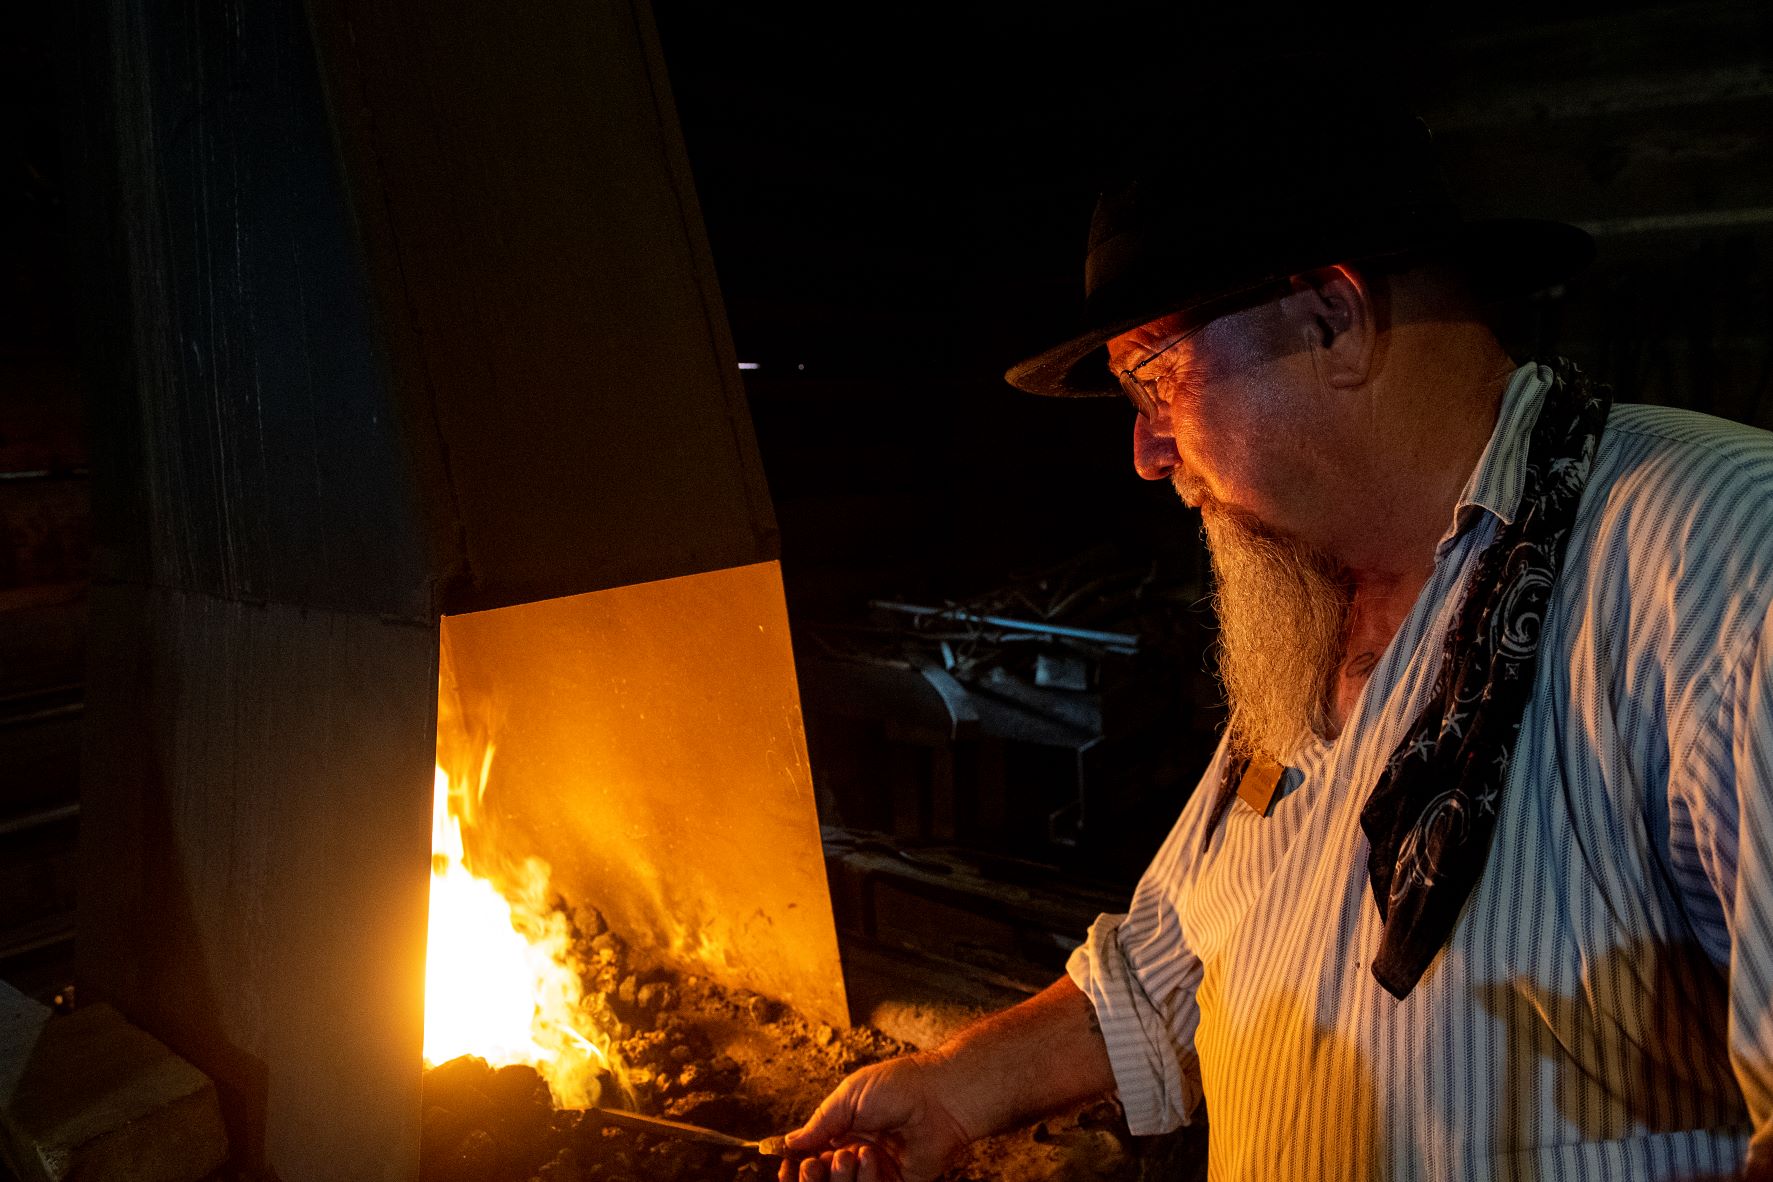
(1154, 453)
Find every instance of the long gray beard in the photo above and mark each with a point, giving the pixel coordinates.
(1283, 621)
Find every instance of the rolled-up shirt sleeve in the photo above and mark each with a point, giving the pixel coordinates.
(1138, 971)
(1155, 1071)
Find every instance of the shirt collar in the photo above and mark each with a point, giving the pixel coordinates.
(1496, 483)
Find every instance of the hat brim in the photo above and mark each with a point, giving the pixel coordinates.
(1502, 258)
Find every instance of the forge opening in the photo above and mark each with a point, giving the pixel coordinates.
(628, 904)
(644, 744)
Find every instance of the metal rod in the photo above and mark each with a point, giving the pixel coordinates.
(33, 937)
(1118, 639)
(39, 819)
(42, 705)
(768, 1147)
(1697, 219)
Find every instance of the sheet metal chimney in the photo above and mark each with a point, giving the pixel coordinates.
(397, 310)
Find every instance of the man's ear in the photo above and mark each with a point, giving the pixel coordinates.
(1333, 307)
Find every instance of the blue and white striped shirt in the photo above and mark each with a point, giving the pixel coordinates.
(1604, 1008)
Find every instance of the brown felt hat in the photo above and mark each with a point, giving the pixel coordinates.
(1229, 205)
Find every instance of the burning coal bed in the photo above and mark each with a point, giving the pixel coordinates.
(537, 1015)
(679, 1047)
(683, 1048)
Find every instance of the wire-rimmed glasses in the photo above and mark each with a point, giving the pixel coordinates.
(1143, 390)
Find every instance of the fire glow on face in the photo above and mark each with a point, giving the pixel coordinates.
(499, 977)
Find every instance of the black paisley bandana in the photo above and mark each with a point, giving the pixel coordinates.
(1431, 818)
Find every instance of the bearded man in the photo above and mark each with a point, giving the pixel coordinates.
(1480, 881)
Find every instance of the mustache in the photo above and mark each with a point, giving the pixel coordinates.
(1243, 530)
(1192, 490)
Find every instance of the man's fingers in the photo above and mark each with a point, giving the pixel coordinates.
(827, 1123)
(852, 1163)
(868, 1166)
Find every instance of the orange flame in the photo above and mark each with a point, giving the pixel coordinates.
(499, 977)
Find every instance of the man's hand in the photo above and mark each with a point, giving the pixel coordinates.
(887, 1123)
(902, 1120)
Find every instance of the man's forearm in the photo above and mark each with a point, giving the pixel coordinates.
(1027, 1061)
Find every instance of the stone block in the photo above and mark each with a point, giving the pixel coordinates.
(86, 1097)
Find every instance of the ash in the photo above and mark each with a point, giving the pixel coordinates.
(692, 1051)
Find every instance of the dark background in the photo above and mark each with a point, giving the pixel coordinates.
(896, 201)
(899, 204)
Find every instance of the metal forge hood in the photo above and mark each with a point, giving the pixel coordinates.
(404, 330)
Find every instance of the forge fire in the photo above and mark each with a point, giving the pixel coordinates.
(499, 979)
(536, 1011)
(538, 1014)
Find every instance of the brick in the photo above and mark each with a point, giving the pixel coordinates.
(87, 1097)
